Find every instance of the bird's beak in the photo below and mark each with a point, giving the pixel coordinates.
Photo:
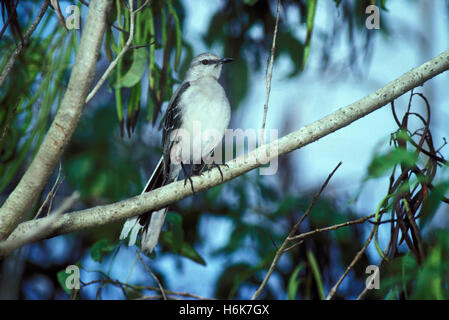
(226, 60)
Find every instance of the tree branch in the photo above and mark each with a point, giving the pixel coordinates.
(8, 246)
(269, 73)
(148, 269)
(357, 257)
(161, 197)
(10, 64)
(64, 124)
(299, 238)
(125, 49)
(280, 251)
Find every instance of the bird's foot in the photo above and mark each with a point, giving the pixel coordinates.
(188, 176)
(217, 165)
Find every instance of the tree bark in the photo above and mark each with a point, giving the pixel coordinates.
(64, 124)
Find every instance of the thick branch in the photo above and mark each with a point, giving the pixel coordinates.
(102, 215)
(64, 124)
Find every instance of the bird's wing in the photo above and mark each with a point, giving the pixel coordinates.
(172, 121)
(152, 222)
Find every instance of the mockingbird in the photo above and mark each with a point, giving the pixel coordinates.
(198, 107)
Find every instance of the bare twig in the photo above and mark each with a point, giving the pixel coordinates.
(281, 250)
(125, 49)
(333, 291)
(143, 45)
(57, 8)
(301, 236)
(142, 6)
(8, 67)
(362, 294)
(51, 194)
(8, 124)
(269, 73)
(137, 289)
(180, 294)
(153, 275)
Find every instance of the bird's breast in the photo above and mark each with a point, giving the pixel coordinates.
(205, 106)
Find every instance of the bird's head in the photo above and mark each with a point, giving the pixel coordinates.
(205, 65)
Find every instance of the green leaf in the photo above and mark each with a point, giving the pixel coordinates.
(135, 72)
(311, 9)
(100, 249)
(189, 252)
(316, 274)
(168, 240)
(293, 282)
(174, 223)
(62, 278)
(174, 238)
(172, 241)
(433, 201)
(172, 11)
(383, 163)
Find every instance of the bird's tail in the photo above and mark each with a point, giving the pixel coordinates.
(150, 222)
(151, 232)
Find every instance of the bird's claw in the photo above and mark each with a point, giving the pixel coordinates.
(215, 165)
(187, 177)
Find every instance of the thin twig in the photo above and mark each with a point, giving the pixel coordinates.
(8, 124)
(333, 291)
(280, 251)
(142, 6)
(330, 228)
(152, 274)
(362, 294)
(50, 205)
(126, 32)
(121, 54)
(8, 67)
(172, 293)
(143, 45)
(269, 74)
(50, 194)
(137, 289)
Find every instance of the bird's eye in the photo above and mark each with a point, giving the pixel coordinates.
(205, 61)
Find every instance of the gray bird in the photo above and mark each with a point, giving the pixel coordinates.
(199, 103)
